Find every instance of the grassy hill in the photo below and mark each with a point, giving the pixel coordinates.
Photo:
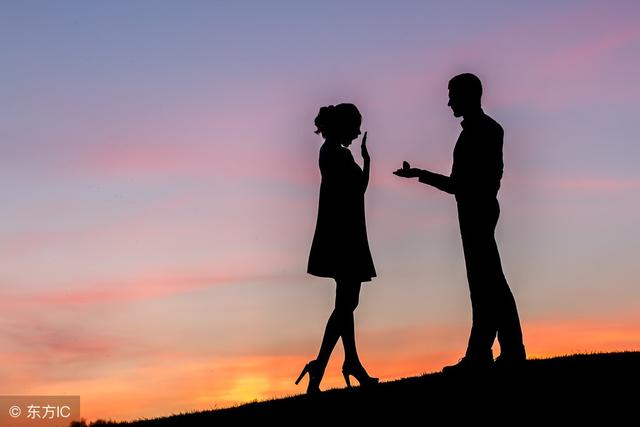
(571, 389)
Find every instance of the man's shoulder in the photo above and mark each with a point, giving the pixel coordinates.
(492, 125)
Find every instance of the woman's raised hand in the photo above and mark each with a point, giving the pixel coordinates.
(363, 147)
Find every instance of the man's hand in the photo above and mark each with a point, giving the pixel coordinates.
(407, 171)
(363, 147)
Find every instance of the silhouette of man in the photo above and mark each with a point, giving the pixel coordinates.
(475, 180)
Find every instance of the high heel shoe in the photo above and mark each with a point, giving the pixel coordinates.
(315, 372)
(359, 373)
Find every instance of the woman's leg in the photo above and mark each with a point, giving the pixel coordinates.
(347, 298)
(341, 324)
(329, 340)
(332, 332)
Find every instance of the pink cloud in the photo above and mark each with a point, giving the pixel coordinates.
(124, 290)
(570, 184)
(217, 141)
(550, 185)
(141, 159)
(594, 184)
(253, 157)
(48, 343)
(224, 231)
(40, 350)
(588, 53)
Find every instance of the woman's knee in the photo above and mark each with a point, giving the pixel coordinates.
(352, 304)
(347, 297)
(346, 305)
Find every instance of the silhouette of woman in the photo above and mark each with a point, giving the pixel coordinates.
(340, 249)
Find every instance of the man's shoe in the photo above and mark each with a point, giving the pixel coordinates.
(470, 365)
(509, 360)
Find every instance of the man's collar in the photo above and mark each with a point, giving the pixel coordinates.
(472, 118)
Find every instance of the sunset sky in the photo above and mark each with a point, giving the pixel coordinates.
(159, 183)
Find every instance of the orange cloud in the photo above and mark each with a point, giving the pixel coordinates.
(185, 381)
(565, 336)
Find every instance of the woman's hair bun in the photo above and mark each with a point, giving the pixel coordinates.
(324, 118)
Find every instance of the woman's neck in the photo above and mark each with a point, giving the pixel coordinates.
(333, 142)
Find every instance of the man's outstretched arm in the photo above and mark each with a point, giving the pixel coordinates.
(441, 182)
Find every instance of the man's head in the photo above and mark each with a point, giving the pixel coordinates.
(465, 91)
